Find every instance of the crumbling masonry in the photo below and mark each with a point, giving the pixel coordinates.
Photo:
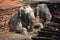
(7, 9)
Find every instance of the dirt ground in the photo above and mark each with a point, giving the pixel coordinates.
(11, 36)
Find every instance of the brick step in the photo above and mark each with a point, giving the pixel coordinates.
(45, 34)
(41, 38)
(50, 30)
(57, 38)
(53, 24)
(55, 32)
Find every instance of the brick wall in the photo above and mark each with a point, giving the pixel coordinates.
(7, 9)
(5, 17)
